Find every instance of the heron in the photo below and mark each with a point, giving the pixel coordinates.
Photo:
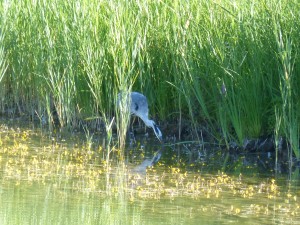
(139, 107)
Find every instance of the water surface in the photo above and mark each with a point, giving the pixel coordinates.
(54, 181)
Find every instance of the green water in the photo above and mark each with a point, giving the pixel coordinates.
(46, 181)
(46, 204)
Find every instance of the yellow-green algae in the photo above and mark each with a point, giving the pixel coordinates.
(26, 157)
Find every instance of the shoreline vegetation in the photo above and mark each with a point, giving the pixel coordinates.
(223, 71)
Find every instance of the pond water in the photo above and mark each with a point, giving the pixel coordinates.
(52, 181)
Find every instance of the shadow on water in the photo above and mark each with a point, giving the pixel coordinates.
(148, 162)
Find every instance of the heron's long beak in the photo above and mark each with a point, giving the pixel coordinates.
(157, 132)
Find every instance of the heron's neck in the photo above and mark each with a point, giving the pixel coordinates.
(149, 123)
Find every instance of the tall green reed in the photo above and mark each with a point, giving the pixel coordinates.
(289, 84)
(3, 67)
(74, 57)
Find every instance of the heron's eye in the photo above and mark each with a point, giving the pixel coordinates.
(136, 107)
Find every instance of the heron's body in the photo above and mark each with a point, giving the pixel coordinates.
(139, 107)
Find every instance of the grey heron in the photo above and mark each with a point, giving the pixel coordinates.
(139, 107)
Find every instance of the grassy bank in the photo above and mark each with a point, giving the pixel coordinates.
(230, 64)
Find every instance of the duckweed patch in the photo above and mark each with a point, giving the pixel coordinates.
(28, 159)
